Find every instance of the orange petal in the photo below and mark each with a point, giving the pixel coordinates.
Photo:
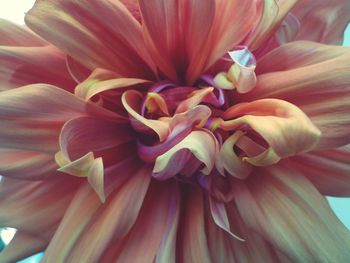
(76, 23)
(266, 204)
(328, 170)
(323, 20)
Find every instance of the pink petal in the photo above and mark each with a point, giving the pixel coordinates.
(286, 129)
(14, 35)
(84, 207)
(143, 243)
(272, 14)
(192, 239)
(328, 170)
(287, 211)
(114, 220)
(34, 207)
(322, 21)
(22, 246)
(28, 65)
(93, 23)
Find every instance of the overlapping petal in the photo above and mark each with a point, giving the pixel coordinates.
(315, 78)
(118, 48)
(287, 211)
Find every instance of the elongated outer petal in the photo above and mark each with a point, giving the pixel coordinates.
(33, 206)
(192, 240)
(83, 208)
(201, 144)
(328, 170)
(115, 219)
(143, 243)
(315, 78)
(286, 129)
(223, 248)
(22, 246)
(287, 211)
(12, 34)
(322, 21)
(22, 65)
(94, 24)
(272, 14)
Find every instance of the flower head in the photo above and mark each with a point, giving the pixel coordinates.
(175, 131)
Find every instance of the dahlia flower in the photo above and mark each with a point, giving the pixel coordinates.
(175, 131)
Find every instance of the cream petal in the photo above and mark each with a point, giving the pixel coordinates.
(328, 170)
(287, 211)
(286, 129)
(322, 21)
(76, 23)
(132, 103)
(202, 144)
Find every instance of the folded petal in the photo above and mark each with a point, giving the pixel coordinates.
(93, 23)
(201, 144)
(322, 21)
(13, 35)
(285, 128)
(315, 78)
(328, 170)
(287, 211)
(23, 65)
(103, 80)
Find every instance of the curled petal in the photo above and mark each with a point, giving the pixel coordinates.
(242, 74)
(201, 144)
(195, 98)
(155, 102)
(103, 80)
(219, 214)
(286, 129)
(132, 101)
(86, 166)
(229, 161)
